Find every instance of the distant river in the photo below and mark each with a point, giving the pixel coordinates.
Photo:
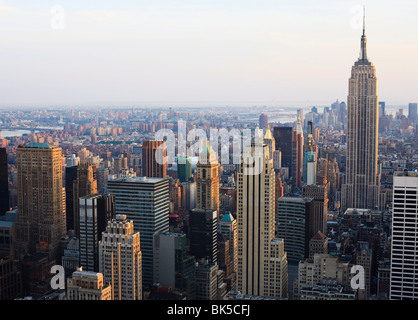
(17, 133)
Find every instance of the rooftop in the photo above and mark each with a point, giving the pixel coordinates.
(36, 145)
(138, 179)
(228, 218)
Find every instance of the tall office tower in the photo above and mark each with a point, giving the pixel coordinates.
(173, 267)
(189, 195)
(382, 107)
(361, 189)
(120, 259)
(299, 154)
(263, 121)
(296, 225)
(320, 194)
(286, 143)
(310, 158)
(84, 185)
(146, 202)
(412, 112)
(363, 256)
(229, 228)
(175, 195)
(184, 168)
(102, 177)
(95, 211)
(40, 222)
(262, 262)
(70, 177)
(203, 233)
(153, 154)
(309, 168)
(207, 180)
(269, 141)
(88, 285)
(318, 245)
(4, 183)
(403, 271)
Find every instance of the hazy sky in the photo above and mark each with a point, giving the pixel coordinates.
(208, 51)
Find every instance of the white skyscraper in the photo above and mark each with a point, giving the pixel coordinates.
(262, 262)
(121, 259)
(404, 272)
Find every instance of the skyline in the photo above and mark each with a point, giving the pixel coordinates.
(201, 53)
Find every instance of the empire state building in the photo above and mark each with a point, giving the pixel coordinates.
(362, 185)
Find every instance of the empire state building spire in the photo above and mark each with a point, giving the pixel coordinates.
(363, 49)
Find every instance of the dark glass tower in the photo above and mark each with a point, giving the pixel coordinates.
(4, 183)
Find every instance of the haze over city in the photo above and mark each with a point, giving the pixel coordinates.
(200, 53)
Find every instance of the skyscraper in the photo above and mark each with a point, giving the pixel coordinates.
(40, 222)
(229, 228)
(184, 168)
(173, 267)
(70, 176)
(412, 112)
(287, 143)
(121, 259)
(263, 121)
(203, 229)
(269, 141)
(362, 185)
(84, 185)
(207, 180)
(153, 155)
(299, 151)
(95, 211)
(320, 194)
(262, 262)
(403, 270)
(296, 225)
(4, 183)
(145, 201)
(310, 158)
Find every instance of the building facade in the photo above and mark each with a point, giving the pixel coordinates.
(403, 273)
(145, 201)
(41, 221)
(120, 259)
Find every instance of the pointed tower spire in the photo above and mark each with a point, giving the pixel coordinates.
(364, 20)
(363, 52)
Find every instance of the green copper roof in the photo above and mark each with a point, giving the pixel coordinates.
(37, 145)
(228, 217)
(208, 149)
